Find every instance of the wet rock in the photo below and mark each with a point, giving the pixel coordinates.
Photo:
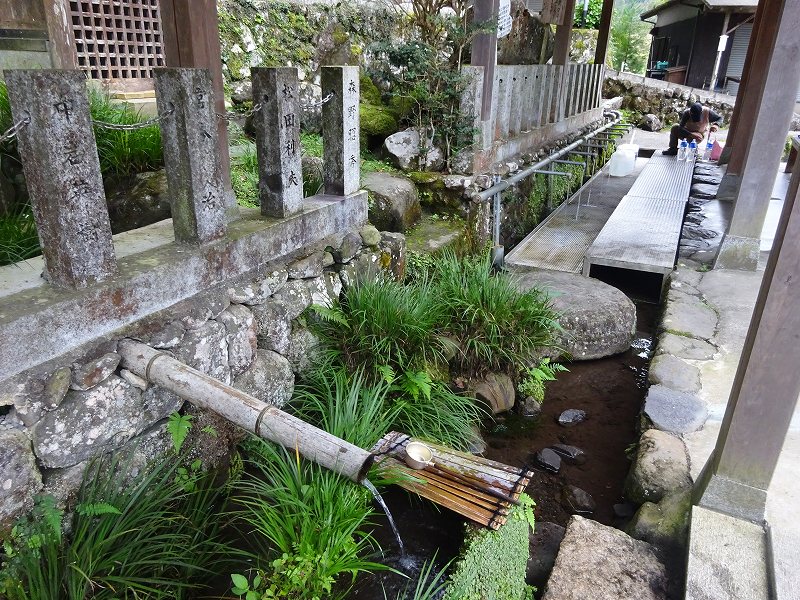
(168, 336)
(543, 545)
(664, 525)
(269, 378)
(602, 563)
(395, 205)
(709, 179)
(132, 378)
(548, 460)
(708, 170)
(650, 122)
(697, 234)
(295, 297)
(304, 268)
(577, 501)
(624, 510)
(685, 347)
(240, 335)
(274, 326)
(370, 236)
(56, 387)
(20, 480)
(661, 468)
(597, 319)
(497, 392)
(351, 245)
(530, 408)
(673, 411)
(206, 350)
(674, 373)
(570, 454)
(704, 191)
(690, 317)
(89, 422)
(571, 417)
(92, 373)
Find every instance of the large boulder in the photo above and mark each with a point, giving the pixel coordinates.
(523, 46)
(395, 205)
(407, 152)
(597, 319)
(650, 122)
(602, 563)
(666, 524)
(661, 468)
(20, 480)
(497, 392)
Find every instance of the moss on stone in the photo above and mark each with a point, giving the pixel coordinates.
(377, 120)
(370, 94)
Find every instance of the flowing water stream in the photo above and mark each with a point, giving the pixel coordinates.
(379, 499)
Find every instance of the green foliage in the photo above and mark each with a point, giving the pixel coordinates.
(19, 239)
(377, 120)
(307, 524)
(430, 585)
(493, 563)
(495, 326)
(593, 15)
(131, 537)
(178, 427)
(535, 377)
(630, 39)
(311, 143)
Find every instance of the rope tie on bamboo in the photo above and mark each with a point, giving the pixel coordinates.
(150, 364)
(257, 428)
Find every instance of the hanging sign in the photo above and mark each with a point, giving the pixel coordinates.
(504, 20)
(554, 12)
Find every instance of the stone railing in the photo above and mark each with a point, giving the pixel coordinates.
(531, 105)
(221, 291)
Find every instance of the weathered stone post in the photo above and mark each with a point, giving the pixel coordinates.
(62, 172)
(277, 126)
(340, 130)
(191, 153)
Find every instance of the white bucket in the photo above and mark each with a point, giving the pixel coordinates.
(623, 161)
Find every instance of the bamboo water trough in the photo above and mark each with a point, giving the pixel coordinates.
(472, 486)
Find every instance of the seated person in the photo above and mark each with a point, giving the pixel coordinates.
(695, 122)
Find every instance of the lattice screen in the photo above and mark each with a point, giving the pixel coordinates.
(117, 39)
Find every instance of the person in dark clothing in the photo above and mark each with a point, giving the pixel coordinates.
(695, 123)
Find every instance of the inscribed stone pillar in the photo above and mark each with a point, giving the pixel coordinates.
(340, 130)
(191, 153)
(277, 127)
(62, 172)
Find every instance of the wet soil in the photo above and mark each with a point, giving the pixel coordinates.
(611, 391)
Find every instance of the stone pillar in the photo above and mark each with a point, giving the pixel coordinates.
(564, 34)
(601, 50)
(340, 131)
(764, 146)
(767, 383)
(484, 50)
(62, 172)
(191, 154)
(277, 127)
(191, 39)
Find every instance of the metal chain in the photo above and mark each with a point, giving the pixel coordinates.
(11, 133)
(133, 126)
(325, 100)
(231, 115)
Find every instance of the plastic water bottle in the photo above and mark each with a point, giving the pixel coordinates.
(692, 151)
(682, 150)
(709, 149)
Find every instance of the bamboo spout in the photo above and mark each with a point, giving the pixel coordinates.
(244, 410)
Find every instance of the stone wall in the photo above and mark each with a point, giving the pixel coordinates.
(246, 332)
(643, 95)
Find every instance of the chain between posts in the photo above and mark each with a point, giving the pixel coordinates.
(231, 115)
(12, 131)
(134, 126)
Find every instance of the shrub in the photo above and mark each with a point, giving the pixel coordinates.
(496, 326)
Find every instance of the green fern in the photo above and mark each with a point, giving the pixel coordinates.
(330, 314)
(416, 384)
(178, 427)
(96, 509)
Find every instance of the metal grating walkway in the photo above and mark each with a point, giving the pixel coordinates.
(642, 235)
(664, 177)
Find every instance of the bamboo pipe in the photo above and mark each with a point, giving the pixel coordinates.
(247, 412)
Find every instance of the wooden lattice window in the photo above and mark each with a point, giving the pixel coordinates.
(117, 39)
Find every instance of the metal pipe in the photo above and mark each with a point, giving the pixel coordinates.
(524, 174)
(253, 415)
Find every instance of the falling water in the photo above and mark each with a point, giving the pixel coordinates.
(379, 499)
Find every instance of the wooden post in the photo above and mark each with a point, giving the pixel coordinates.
(62, 172)
(564, 35)
(191, 39)
(601, 50)
(767, 383)
(764, 147)
(249, 413)
(484, 51)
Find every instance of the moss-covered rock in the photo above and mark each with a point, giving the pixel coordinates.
(377, 120)
(666, 524)
(370, 94)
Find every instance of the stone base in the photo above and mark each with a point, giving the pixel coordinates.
(733, 498)
(738, 253)
(729, 187)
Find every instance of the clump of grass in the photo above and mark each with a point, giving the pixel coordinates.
(19, 239)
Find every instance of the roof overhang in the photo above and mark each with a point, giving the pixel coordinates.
(746, 6)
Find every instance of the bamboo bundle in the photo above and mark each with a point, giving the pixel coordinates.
(472, 486)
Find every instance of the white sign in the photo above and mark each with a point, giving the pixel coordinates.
(504, 20)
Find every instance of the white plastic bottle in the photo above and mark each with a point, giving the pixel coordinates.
(682, 150)
(709, 149)
(692, 151)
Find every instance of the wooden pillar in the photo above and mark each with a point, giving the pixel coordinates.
(564, 35)
(484, 51)
(191, 39)
(601, 51)
(767, 383)
(775, 101)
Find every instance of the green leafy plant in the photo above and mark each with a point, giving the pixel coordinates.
(430, 584)
(19, 239)
(592, 19)
(534, 378)
(178, 427)
(629, 36)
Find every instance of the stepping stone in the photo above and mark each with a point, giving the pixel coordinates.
(685, 347)
(571, 454)
(714, 179)
(571, 417)
(674, 373)
(674, 411)
(548, 460)
(577, 501)
(704, 190)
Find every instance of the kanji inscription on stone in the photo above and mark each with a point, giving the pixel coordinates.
(340, 130)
